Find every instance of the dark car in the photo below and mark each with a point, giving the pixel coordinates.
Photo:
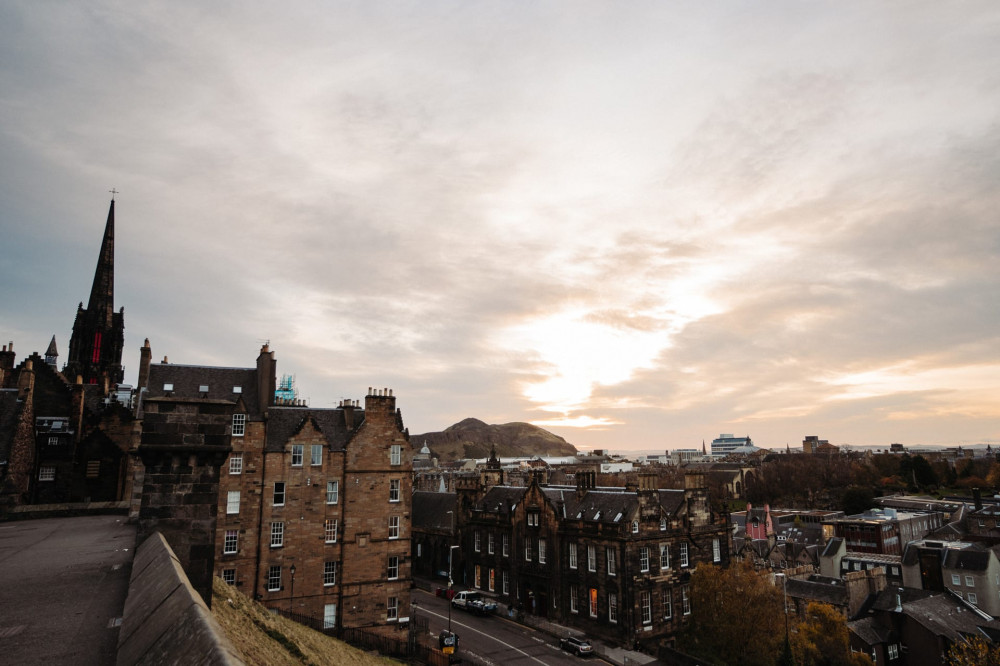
(581, 647)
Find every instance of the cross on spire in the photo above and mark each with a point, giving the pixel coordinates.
(113, 193)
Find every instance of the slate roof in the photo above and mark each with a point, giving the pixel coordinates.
(430, 510)
(284, 422)
(832, 546)
(872, 633)
(831, 591)
(966, 560)
(947, 615)
(187, 379)
(602, 504)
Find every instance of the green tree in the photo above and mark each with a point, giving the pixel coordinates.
(973, 651)
(822, 639)
(736, 617)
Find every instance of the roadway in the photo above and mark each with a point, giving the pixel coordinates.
(64, 583)
(494, 640)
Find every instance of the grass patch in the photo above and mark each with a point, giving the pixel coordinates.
(261, 637)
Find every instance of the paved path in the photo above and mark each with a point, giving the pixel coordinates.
(63, 583)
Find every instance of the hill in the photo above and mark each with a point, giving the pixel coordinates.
(261, 637)
(471, 438)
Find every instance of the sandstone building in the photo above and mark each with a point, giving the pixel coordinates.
(313, 509)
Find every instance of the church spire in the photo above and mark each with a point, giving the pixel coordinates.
(95, 347)
(102, 293)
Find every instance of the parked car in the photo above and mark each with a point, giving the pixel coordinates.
(474, 602)
(581, 647)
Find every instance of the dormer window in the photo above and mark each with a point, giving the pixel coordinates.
(203, 388)
(533, 519)
(663, 524)
(168, 387)
(635, 527)
(237, 389)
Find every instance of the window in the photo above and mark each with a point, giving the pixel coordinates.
(527, 549)
(329, 616)
(274, 579)
(229, 576)
(230, 542)
(635, 527)
(47, 473)
(393, 490)
(893, 650)
(277, 535)
(663, 524)
(956, 579)
(332, 492)
(475, 541)
(644, 559)
(393, 568)
(237, 389)
(392, 609)
(168, 387)
(573, 590)
(593, 602)
(591, 558)
(279, 493)
(93, 469)
(203, 388)
(506, 582)
(490, 543)
(236, 463)
(716, 551)
(330, 530)
(572, 556)
(612, 568)
(53, 440)
(541, 551)
(239, 425)
(973, 599)
(684, 554)
(646, 605)
(297, 451)
(493, 580)
(395, 454)
(533, 519)
(685, 600)
(612, 607)
(666, 598)
(393, 527)
(477, 577)
(232, 502)
(969, 582)
(664, 556)
(505, 544)
(316, 455)
(329, 574)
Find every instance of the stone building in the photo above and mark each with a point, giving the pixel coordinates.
(612, 562)
(313, 505)
(64, 436)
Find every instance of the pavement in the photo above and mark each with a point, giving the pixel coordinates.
(64, 583)
(610, 653)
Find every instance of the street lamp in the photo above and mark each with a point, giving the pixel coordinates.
(290, 596)
(451, 551)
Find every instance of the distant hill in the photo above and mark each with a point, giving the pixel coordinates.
(472, 438)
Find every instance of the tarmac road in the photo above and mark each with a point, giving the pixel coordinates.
(63, 583)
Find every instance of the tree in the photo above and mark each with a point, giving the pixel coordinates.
(822, 639)
(736, 617)
(973, 651)
(857, 500)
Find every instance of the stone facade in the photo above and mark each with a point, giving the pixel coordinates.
(613, 562)
(313, 505)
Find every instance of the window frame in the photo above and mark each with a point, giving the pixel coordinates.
(396, 455)
(392, 609)
(232, 503)
(613, 607)
(685, 560)
(229, 576)
(239, 424)
(572, 555)
(277, 534)
(541, 551)
(329, 573)
(278, 493)
(646, 607)
(392, 568)
(330, 528)
(591, 558)
(332, 491)
(234, 541)
(592, 601)
(394, 490)
(644, 559)
(329, 616)
(609, 553)
(667, 601)
(236, 464)
(716, 550)
(298, 454)
(393, 527)
(274, 578)
(47, 473)
(315, 455)
(664, 556)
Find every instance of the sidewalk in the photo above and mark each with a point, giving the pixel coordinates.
(612, 654)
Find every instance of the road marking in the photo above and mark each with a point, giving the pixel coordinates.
(482, 633)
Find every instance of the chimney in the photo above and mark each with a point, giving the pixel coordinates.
(145, 358)
(380, 404)
(267, 380)
(6, 362)
(348, 407)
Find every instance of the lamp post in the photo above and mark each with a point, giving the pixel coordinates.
(290, 596)
(451, 551)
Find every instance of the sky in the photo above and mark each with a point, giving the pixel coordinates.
(638, 225)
